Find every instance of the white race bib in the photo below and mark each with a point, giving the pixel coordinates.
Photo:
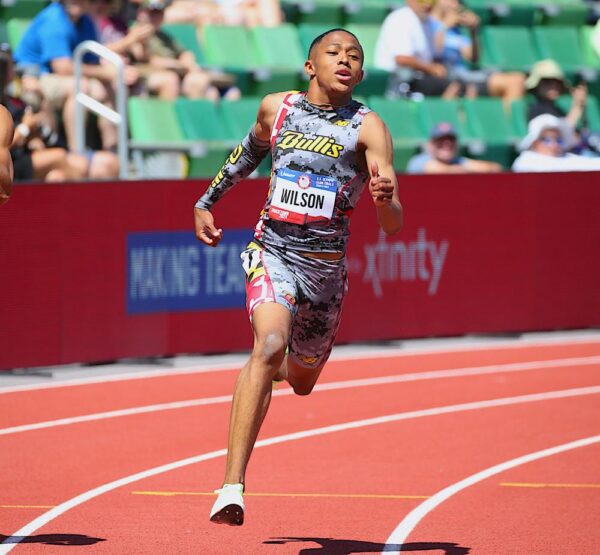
(300, 198)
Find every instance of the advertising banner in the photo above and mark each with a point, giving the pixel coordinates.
(94, 272)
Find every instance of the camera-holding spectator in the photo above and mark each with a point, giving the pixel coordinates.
(547, 83)
(546, 146)
(406, 42)
(456, 51)
(441, 155)
(46, 51)
(168, 69)
(36, 149)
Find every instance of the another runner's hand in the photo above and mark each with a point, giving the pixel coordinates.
(380, 187)
(205, 227)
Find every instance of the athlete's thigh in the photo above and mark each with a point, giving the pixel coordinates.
(323, 286)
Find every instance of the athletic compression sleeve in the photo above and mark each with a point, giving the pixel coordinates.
(244, 159)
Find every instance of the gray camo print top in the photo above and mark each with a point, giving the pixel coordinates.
(322, 142)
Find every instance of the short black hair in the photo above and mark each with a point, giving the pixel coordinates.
(318, 39)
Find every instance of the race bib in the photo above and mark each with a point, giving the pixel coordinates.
(301, 198)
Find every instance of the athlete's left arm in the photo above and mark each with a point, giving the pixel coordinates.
(6, 166)
(376, 141)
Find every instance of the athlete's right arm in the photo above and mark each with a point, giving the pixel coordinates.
(244, 159)
(6, 166)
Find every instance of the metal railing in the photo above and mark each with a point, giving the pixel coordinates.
(82, 100)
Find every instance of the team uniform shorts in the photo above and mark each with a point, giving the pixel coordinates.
(313, 290)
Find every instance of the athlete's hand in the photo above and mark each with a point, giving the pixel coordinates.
(205, 227)
(380, 187)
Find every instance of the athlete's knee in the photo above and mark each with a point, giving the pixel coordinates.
(270, 350)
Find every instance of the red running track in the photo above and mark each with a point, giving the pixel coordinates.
(365, 456)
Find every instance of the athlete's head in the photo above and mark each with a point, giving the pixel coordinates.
(335, 60)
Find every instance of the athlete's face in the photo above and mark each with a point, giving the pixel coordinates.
(336, 62)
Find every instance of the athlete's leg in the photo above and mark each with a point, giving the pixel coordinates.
(271, 322)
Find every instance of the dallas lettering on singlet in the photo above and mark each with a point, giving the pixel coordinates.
(301, 198)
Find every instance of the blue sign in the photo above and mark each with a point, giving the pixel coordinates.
(171, 271)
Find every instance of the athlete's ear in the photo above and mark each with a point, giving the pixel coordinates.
(309, 68)
(361, 76)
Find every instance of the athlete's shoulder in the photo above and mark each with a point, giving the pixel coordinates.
(372, 128)
(273, 100)
(6, 126)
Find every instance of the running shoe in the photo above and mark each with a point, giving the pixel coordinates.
(229, 506)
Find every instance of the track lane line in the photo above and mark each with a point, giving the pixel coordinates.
(391, 353)
(13, 540)
(362, 382)
(408, 524)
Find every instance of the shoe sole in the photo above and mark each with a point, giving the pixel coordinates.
(232, 515)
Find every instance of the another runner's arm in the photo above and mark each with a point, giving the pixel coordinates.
(377, 143)
(6, 166)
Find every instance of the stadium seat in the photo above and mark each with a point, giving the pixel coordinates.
(518, 117)
(590, 56)
(152, 120)
(15, 29)
(562, 44)
(21, 9)
(433, 110)
(508, 48)
(365, 12)
(238, 116)
(376, 80)
(487, 121)
(328, 12)
(401, 117)
(563, 12)
(278, 50)
(186, 35)
(308, 32)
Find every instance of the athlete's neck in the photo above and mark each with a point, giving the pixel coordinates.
(326, 102)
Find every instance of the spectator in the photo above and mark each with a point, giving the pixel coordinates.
(249, 13)
(168, 69)
(545, 147)
(46, 51)
(405, 46)
(37, 151)
(457, 51)
(441, 155)
(547, 83)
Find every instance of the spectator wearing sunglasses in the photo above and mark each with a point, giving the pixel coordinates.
(545, 148)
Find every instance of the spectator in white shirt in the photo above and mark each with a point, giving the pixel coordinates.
(406, 42)
(545, 147)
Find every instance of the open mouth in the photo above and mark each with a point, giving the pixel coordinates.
(343, 74)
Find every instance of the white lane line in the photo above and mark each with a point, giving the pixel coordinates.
(59, 510)
(406, 526)
(380, 353)
(365, 382)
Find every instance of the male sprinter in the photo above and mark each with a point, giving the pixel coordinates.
(325, 148)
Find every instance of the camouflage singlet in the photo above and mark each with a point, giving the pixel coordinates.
(316, 179)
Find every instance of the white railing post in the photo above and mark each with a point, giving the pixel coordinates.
(82, 100)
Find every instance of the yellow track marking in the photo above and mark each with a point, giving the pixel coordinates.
(541, 485)
(343, 495)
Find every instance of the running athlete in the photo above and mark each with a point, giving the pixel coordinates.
(6, 166)
(325, 148)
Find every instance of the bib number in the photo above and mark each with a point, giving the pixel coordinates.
(301, 198)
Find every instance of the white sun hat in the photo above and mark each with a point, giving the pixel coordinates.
(540, 124)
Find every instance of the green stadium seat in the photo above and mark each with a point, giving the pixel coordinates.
(229, 47)
(508, 48)
(564, 12)
(518, 12)
(401, 117)
(365, 12)
(153, 120)
(376, 80)
(21, 9)
(3, 33)
(238, 116)
(518, 117)
(200, 120)
(590, 56)
(186, 35)
(15, 29)
(329, 12)
(433, 110)
(487, 121)
(309, 31)
(562, 44)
